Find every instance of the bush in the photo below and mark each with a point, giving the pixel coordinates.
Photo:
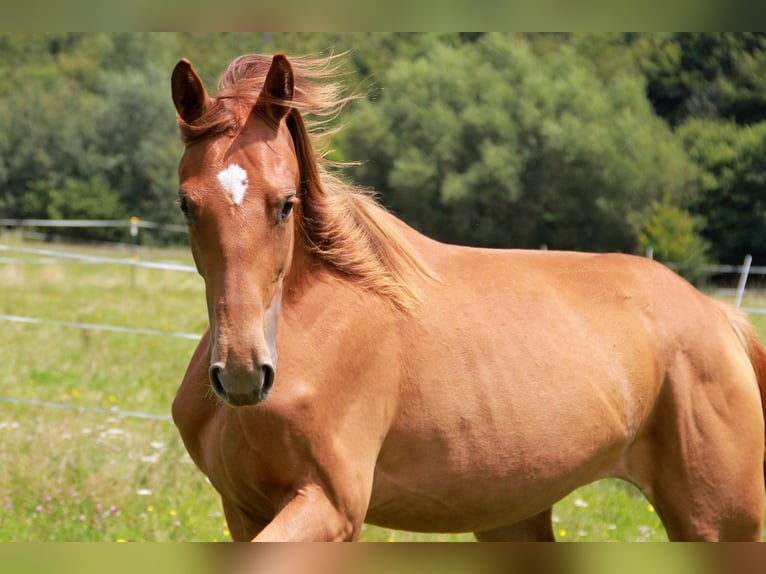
(77, 199)
(673, 235)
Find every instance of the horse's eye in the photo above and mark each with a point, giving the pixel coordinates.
(183, 203)
(286, 210)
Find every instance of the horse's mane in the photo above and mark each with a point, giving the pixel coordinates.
(342, 224)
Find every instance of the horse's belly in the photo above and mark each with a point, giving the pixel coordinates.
(481, 468)
(432, 498)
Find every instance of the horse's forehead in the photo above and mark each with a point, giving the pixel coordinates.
(236, 164)
(261, 147)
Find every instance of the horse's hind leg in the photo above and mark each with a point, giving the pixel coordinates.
(708, 514)
(700, 462)
(535, 529)
(723, 508)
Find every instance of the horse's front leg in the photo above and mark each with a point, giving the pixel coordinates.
(312, 515)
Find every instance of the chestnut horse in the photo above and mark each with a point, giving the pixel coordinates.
(361, 372)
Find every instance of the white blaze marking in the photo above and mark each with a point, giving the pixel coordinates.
(233, 180)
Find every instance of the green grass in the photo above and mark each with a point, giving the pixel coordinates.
(87, 476)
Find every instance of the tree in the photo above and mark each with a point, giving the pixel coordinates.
(495, 144)
(44, 127)
(673, 235)
(481, 138)
(706, 75)
(136, 136)
(732, 186)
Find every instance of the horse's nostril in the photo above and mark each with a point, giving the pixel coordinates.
(215, 379)
(247, 391)
(268, 379)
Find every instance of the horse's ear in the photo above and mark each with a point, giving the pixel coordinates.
(189, 94)
(277, 89)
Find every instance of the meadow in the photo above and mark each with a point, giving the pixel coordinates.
(88, 471)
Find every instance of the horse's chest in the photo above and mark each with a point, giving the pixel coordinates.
(221, 452)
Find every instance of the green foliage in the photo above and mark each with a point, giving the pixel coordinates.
(732, 186)
(75, 199)
(135, 133)
(483, 138)
(98, 476)
(44, 124)
(673, 235)
(708, 74)
(494, 144)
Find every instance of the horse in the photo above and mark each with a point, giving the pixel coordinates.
(356, 371)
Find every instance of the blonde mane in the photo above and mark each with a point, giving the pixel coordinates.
(341, 224)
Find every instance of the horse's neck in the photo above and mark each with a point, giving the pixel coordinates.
(305, 269)
(308, 268)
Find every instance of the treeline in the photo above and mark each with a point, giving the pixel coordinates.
(605, 142)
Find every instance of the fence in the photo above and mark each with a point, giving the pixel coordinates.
(98, 259)
(54, 255)
(744, 271)
(134, 223)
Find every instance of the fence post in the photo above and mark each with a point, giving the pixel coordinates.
(134, 228)
(134, 252)
(743, 278)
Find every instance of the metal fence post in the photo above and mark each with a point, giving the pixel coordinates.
(743, 278)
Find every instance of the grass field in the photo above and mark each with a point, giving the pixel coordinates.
(68, 475)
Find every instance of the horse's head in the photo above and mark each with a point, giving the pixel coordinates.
(239, 181)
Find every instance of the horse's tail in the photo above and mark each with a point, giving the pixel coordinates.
(755, 351)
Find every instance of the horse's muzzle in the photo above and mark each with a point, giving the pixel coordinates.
(254, 391)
